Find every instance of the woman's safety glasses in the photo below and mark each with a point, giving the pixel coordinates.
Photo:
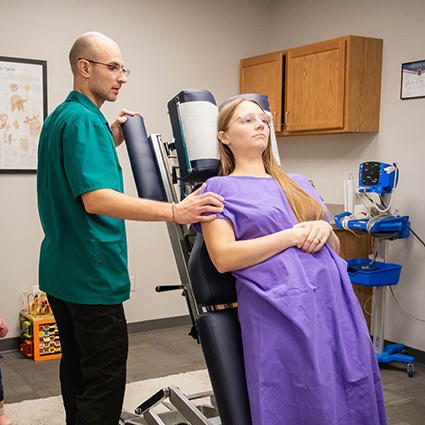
(251, 119)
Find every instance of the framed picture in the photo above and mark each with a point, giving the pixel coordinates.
(23, 109)
(412, 80)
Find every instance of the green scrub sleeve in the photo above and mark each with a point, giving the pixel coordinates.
(90, 157)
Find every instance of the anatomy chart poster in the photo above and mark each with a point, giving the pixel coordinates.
(22, 112)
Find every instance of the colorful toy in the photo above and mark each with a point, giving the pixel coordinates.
(40, 306)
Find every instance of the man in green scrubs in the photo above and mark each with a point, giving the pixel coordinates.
(83, 257)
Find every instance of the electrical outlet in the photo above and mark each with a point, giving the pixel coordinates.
(132, 283)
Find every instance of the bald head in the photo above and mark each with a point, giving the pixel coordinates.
(89, 46)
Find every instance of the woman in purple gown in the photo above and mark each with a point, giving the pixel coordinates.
(308, 356)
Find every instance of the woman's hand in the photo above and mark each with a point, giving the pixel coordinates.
(228, 254)
(315, 235)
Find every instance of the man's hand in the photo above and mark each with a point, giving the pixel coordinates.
(117, 133)
(190, 210)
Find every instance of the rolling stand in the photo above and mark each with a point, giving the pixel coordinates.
(379, 275)
(380, 179)
(392, 352)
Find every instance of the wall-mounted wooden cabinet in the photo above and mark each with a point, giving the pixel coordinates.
(329, 87)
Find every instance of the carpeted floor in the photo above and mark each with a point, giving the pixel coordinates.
(151, 355)
(49, 411)
(169, 352)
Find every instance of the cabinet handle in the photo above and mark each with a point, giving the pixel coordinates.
(286, 118)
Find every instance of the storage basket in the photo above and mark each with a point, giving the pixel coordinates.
(365, 272)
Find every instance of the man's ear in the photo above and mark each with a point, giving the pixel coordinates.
(222, 136)
(84, 68)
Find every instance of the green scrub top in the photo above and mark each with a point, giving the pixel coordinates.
(83, 257)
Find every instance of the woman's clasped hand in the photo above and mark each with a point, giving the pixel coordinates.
(313, 236)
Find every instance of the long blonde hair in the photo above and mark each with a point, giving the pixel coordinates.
(304, 206)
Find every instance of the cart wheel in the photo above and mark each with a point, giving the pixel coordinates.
(410, 369)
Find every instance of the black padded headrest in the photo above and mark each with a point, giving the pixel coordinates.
(209, 286)
(193, 116)
(262, 99)
(142, 158)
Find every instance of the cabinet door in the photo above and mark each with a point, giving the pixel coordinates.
(315, 86)
(263, 75)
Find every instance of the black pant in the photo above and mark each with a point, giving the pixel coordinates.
(94, 343)
(1, 388)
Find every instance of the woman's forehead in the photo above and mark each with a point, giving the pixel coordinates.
(248, 107)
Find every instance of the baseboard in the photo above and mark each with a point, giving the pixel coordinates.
(12, 344)
(9, 344)
(159, 324)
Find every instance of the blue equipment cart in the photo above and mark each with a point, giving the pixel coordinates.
(377, 273)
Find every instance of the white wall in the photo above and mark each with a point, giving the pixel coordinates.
(169, 46)
(328, 160)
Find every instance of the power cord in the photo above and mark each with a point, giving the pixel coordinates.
(374, 254)
(403, 309)
(369, 313)
(391, 289)
(356, 216)
(383, 235)
(416, 236)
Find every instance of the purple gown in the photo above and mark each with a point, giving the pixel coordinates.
(308, 356)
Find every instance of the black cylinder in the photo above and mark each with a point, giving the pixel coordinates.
(142, 159)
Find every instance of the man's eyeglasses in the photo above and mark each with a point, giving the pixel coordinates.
(251, 119)
(116, 69)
